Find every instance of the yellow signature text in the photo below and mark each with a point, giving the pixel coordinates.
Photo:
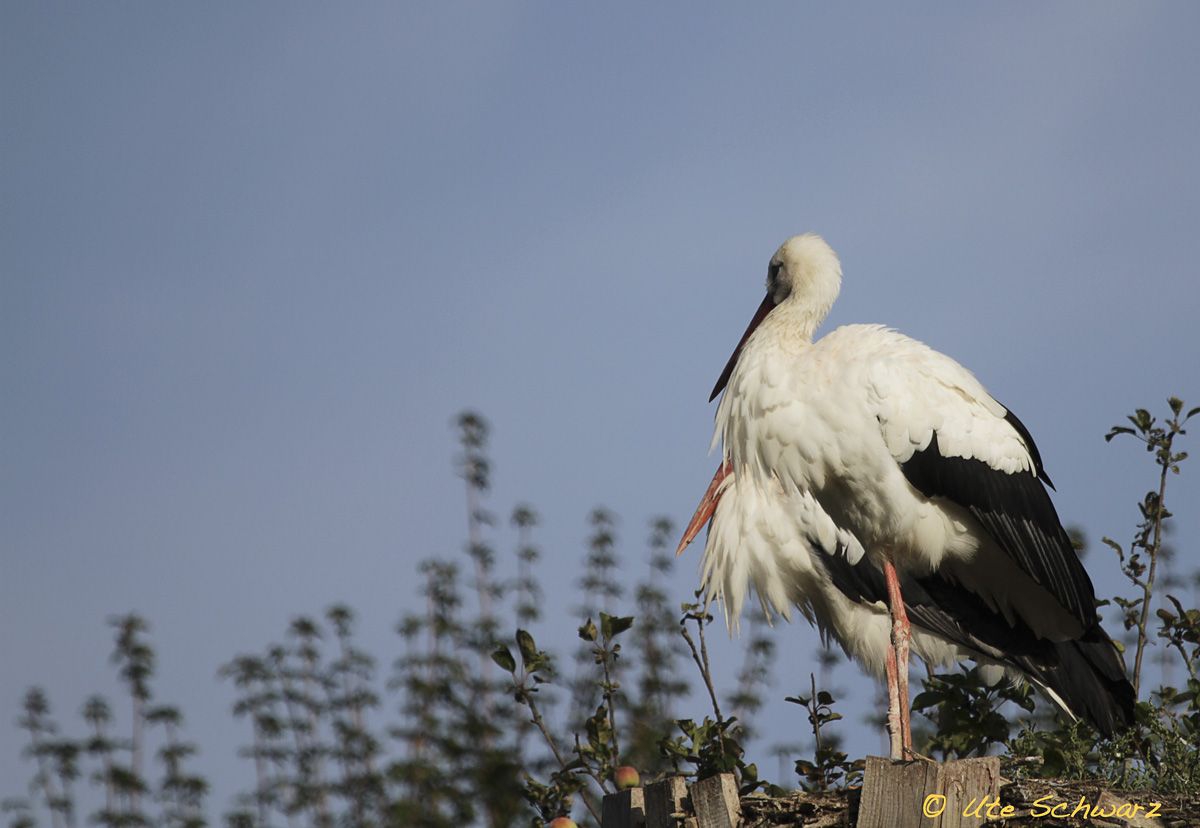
(988, 807)
(1047, 806)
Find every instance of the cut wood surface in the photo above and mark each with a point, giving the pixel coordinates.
(971, 788)
(709, 803)
(924, 794)
(624, 809)
(893, 793)
(716, 802)
(664, 800)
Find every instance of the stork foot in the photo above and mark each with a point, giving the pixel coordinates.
(911, 755)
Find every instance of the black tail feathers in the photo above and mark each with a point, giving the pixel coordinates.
(1088, 675)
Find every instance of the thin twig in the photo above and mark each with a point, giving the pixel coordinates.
(527, 700)
(540, 723)
(1187, 659)
(700, 656)
(815, 715)
(1148, 585)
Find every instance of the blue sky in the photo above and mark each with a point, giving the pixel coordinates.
(254, 258)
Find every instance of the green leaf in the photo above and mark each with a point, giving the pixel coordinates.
(505, 659)
(529, 650)
(588, 631)
(612, 626)
(622, 623)
(928, 698)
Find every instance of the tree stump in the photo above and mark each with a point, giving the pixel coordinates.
(921, 794)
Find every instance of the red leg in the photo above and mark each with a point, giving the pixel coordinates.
(708, 505)
(901, 635)
(893, 715)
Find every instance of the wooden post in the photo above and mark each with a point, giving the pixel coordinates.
(923, 794)
(893, 792)
(716, 802)
(970, 787)
(623, 809)
(664, 799)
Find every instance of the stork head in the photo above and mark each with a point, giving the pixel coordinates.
(805, 270)
(805, 275)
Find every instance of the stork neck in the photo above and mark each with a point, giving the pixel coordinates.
(798, 320)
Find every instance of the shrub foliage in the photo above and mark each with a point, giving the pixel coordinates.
(477, 724)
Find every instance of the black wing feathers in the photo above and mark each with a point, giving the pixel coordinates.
(1017, 512)
(1087, 674)
(1034, 454)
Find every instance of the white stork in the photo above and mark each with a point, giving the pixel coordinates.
(869, 480)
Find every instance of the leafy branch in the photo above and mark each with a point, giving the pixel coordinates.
(1159, 439)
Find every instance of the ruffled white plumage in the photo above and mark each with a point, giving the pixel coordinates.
(835, 418)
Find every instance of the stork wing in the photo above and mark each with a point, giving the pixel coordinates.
(954, 442)
(1084, 676)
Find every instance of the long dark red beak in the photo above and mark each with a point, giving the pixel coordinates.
(708, 505)
(759, 316)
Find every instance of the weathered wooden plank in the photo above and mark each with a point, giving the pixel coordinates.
(716, 802)
(663, 799)
(1123, 812)
(971, 788)
(894, 792)
(623, 809)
